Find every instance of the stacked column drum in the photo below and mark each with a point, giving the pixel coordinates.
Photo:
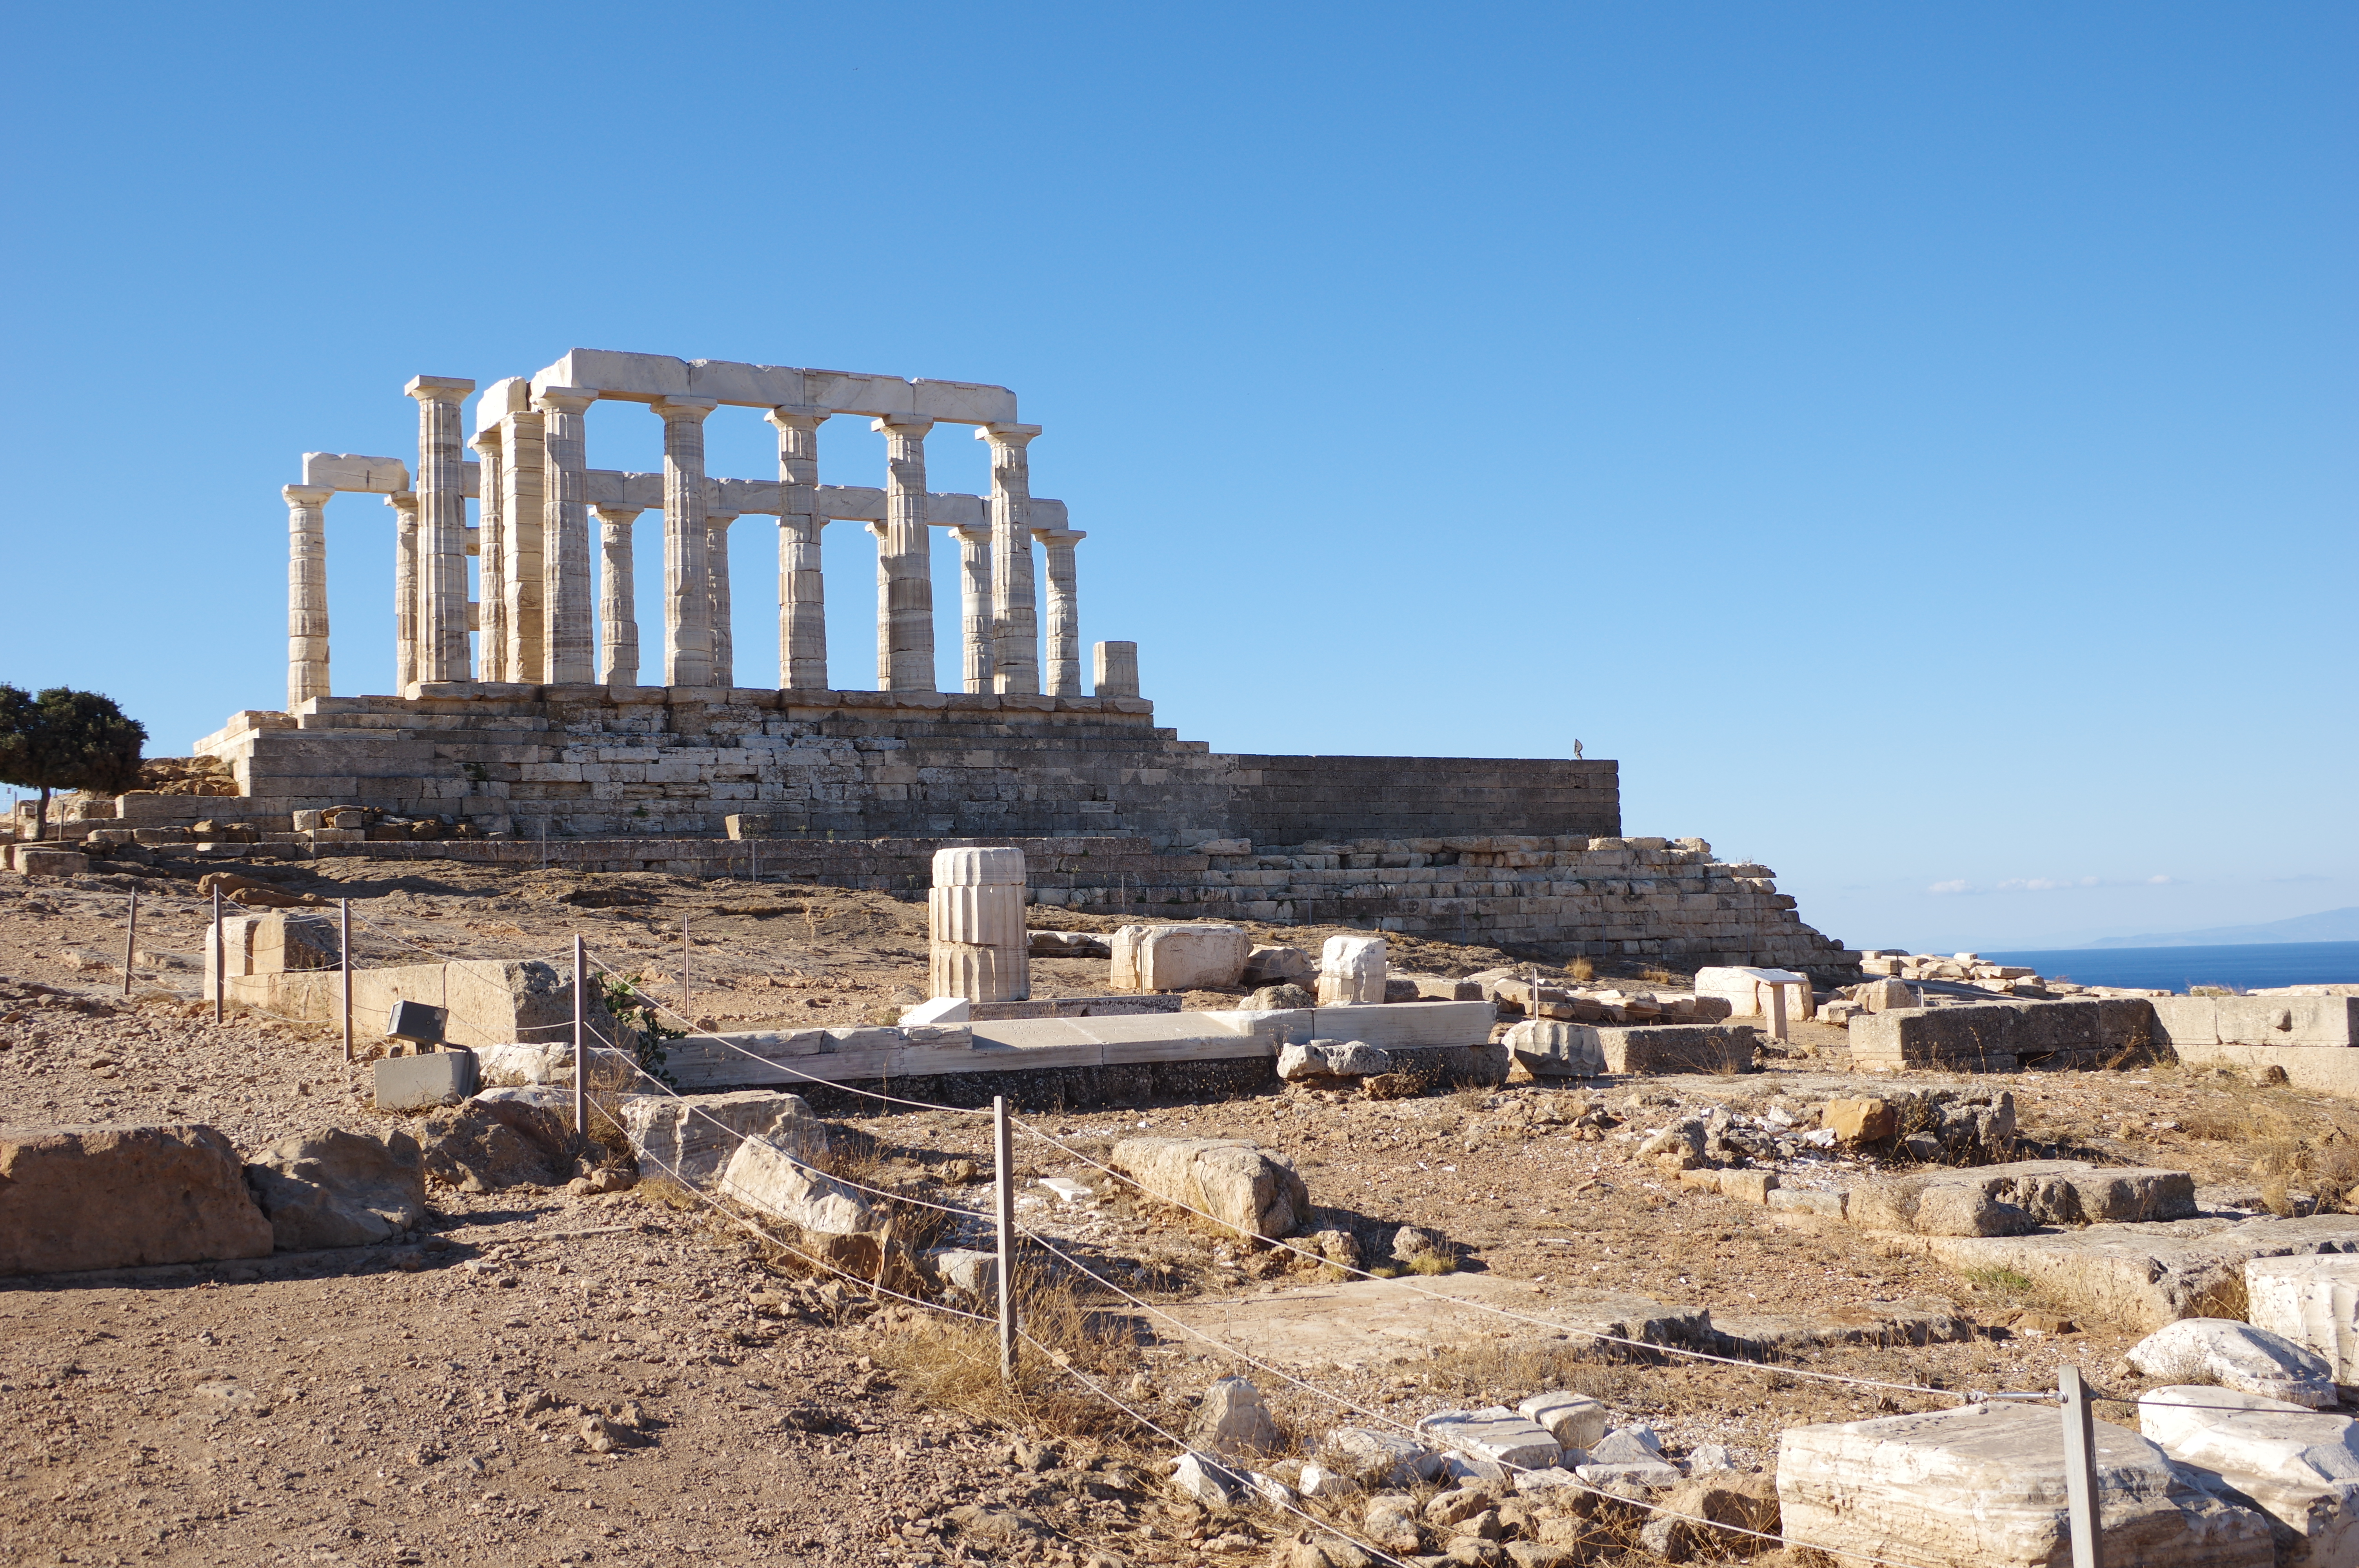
(975, 915)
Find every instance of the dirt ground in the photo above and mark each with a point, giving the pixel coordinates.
(426, 1402)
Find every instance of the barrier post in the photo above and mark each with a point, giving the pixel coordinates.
(220, 966)
(130, 941)
(686, 1012)
(581, 1057)
(2080, 1469)
(1004, 1205)
(344, 942)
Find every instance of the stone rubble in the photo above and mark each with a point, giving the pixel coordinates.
(2236, 1355)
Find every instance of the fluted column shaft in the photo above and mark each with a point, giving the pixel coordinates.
(802, 588)
(524, 493)
(688, 602)
(307, 591)
(491, 556)
(569, 639)
(717, 577)
(975, 605)
(405, 590)
(1016, 630)
(1064, 610)
(443, 527)
(618, 623)
(906, 608)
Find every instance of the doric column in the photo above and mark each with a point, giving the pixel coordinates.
(441, 527)
(1118, 670)
(523, 505)
(569, 641)
(1016, 663)
(880, 531)
(717, 577)
(307, 591)
(405, 590)
(905, 658)
(974, 604)
(618, 622)
(802, 588)
(1064, 610)
(688, 607)
(491, 556)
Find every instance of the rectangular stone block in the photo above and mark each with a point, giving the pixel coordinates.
(1676, 1048)
(419, 1083)
(1192, 955)
(2312, 1300)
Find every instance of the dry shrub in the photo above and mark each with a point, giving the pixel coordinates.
(953, 1364)
(1581, 969)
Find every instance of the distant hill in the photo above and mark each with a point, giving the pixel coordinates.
(2328, 925)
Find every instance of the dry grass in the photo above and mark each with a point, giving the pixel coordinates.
(2285, 1143)
(954, 1365)
(1581, 969)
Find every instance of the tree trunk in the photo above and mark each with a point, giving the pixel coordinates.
(41, 817)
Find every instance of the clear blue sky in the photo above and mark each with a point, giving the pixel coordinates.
(1914, 440)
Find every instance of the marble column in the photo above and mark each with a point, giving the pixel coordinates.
(405, 590)
(523, 505)
(802, 589)
(618, 616)
(491, 556)
(307, 591)
(974, 604)
(441, 528)
(906, 634)
(568, 640)
(717, 577)
(688, 608)
(1015, 662)
(1064, 662)
(880, 531)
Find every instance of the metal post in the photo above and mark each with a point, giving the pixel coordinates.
(1003, 1204)
(684, 1010)
(2080, 1469)
(130, 941)
(581, 1056)
(221, 967)
(344, 942)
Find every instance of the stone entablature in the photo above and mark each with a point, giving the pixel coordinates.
(539, 619)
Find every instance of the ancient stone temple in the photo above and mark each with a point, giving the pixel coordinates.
(523, 718)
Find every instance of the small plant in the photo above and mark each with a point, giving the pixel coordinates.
(1583, 970)
(1432, 1263)
(2000, 1278)
(636, 1012)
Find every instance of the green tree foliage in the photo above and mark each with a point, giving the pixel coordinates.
(63, 739)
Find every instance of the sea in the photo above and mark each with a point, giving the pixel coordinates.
(2245, 967)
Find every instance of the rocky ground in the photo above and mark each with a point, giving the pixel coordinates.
(540, 1377)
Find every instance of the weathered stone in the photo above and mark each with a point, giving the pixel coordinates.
(339, 1189)
(1884, 994)
(1748, 991)
(1746, 1503)
(1329, 1061)
(1458, 1504)
(1411, 1242)
(1627, 1445)
(469, 1148)
(1983, 1486)
(1068, 945)
(1548, 1049)
(1234, 1419)
(2143, 1276)
(2299, 1467)
(1575, 1421)
(1276, 965)
(1678, 1048)
(1324, 1484)
(1380, 1458)
(1389, 1522)
(1280, 999)
(1680, 1146)
(2009, 1200)
(1194, 955)
(1868, 1120)
(1340, 1247)
(1649, 1474)
(771, 1177)
(2315, 1302)
(1493, 1432)
(689, 1137)
(1352, 971)
(1245, 1188)
(116, 1197)
(2235, 1356)
(1197, 1478)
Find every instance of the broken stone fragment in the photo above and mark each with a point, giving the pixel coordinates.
(1201, 1479)
(2300, 1468)
(1234, 1420)
(335, 1188)
(1548, 1049)
(1068, 945)
(2009, 1200)
(1493, 1432)
(2312, 1300)
(1380, 1458)
(1247, 1189)
(2235, 1356)
(1746, 1503)
(1575, 1421)
(1330, 1061)
(1678, 1147)
(1352, 971)
(1273, 965)
(114, 1197)
(1389, 1522)
(1868, 1120)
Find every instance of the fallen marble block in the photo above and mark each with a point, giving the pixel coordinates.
(2014, 1199)
(1575, 1421)
(1548, 1049)
(2300, 1468)
(2312, 1300)
(1493, 1432)
(1328, 1061)
(1248, 1188)
(2235, 1356)
(1983, 1486)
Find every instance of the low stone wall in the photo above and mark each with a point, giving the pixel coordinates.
(2005, 1037)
